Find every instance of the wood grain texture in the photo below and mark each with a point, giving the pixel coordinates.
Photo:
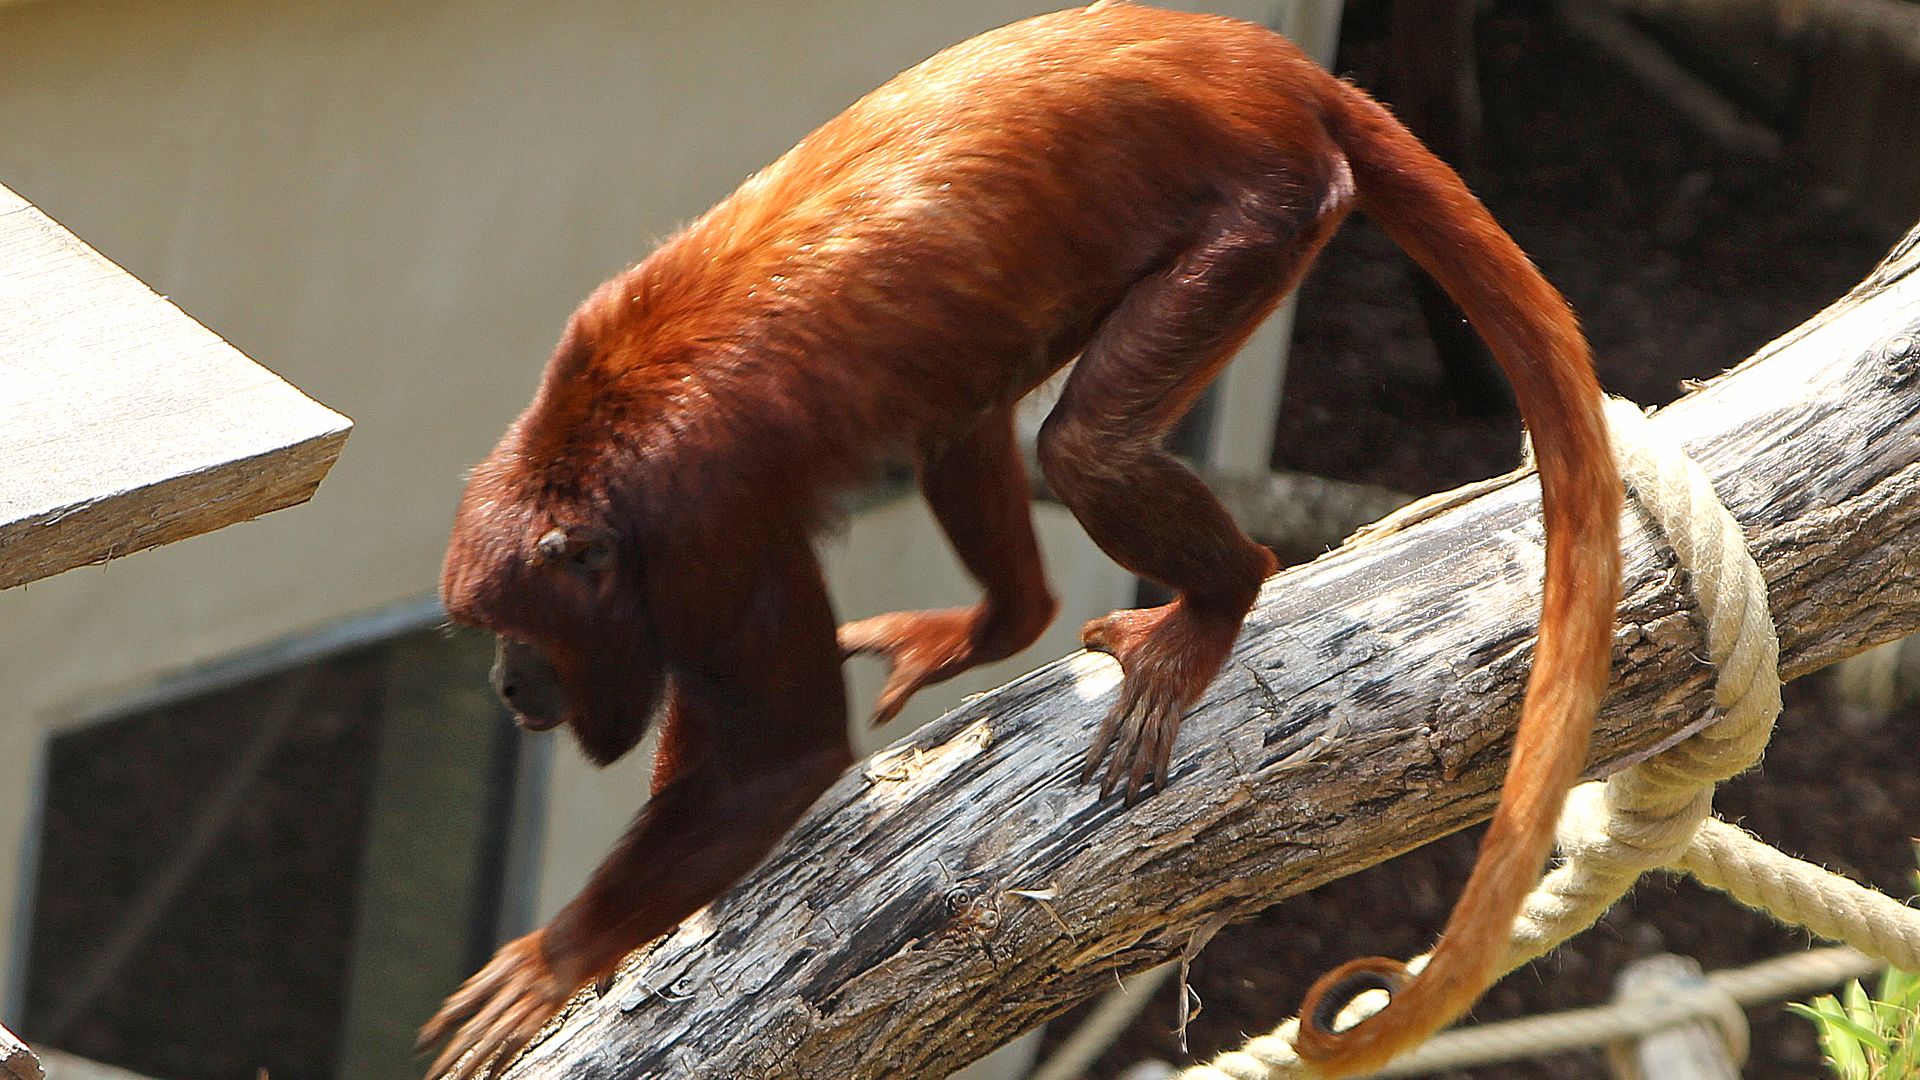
(960, 886)
(125, 424)
(16, 1061)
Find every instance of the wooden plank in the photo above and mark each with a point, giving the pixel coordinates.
(16, 1061)
(125, 424)
(960, 887)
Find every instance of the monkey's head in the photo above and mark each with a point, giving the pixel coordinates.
(543, 565)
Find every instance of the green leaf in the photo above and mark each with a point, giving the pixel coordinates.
(1843, 1051)
(1861, 1033)
(1854, 997)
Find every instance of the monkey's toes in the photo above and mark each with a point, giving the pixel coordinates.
(1139, 731)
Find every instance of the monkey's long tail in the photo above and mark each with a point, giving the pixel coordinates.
(1423, 205)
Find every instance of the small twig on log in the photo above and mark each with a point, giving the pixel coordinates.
(1368, 708)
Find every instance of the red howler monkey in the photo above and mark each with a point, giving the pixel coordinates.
(1133, 187)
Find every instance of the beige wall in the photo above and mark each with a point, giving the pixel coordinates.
(394, 205)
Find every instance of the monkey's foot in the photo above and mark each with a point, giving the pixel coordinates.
(1168, 655)
(925, 647)
(495, 1013)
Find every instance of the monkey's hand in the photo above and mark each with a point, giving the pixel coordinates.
(495, 1013)
(1168, 655)
(925, 647)
(920, 647)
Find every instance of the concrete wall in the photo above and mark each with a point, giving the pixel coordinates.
(395, 205)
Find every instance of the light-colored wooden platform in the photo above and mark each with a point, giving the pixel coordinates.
(125, 424)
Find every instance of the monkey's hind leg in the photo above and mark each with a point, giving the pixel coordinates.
(977, 489)
(1101, 452)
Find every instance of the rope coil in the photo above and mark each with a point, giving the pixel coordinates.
(1658, 813)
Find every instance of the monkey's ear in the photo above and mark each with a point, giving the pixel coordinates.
(579, 547)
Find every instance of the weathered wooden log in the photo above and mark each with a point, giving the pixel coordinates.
(961, 886)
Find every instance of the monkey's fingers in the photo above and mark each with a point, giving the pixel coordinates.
(879, 636)
(1097, 636)
(490, 1039)
(1148, 718)
(1102, 741)
(902, 683)
(493, 1036)
(454, 1013)
(469, 1000)
(920, 648)
(495, 1013)
(875, 634)
(1138, 731)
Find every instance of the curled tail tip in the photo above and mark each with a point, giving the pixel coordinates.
(1343, 1052)
(1424, 998)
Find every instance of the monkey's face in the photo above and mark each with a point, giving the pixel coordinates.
(564, 601)
(608, 700)
(528, 684)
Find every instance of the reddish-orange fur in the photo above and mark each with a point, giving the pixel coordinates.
(1130, 186)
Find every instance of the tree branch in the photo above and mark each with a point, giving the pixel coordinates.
(961, 887)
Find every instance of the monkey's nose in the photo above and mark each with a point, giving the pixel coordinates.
(503, 684)
(526, 686)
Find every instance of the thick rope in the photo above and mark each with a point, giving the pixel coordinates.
(1657, 813)
(1728, 858)
(1719, 997)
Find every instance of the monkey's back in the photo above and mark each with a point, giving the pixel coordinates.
(1040, 169)
(956, 235)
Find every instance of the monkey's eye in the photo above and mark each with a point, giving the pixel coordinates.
(580, 548)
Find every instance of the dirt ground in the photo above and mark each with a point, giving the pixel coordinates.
(1680, 265)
